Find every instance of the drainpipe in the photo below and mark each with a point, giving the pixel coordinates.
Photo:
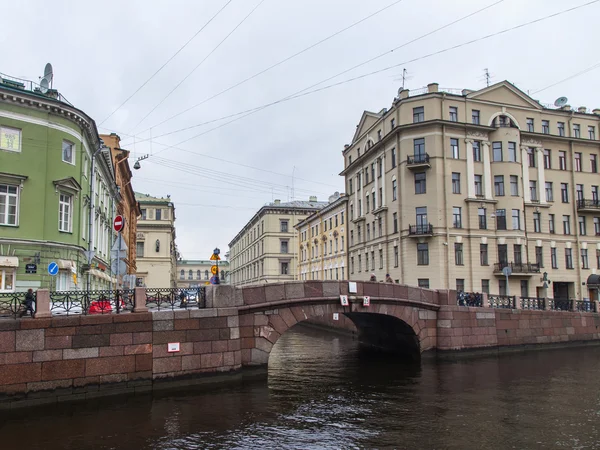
(92, 208)
(576, 258)
(445, 156)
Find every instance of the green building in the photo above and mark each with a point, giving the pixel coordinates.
(48, 149)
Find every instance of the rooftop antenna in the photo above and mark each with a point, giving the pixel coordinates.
(560, 102)
(293, 182)
(487, 76)
(404, 77)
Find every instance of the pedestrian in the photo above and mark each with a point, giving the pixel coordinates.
(182, 299)
(28, 303)
(373, 277)
(388, 279)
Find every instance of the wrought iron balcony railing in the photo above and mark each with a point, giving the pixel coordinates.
(421, 158)
(517, 267)
(588, 204)
(425, 229)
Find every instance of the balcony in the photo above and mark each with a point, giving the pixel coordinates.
(418, 161)
(517, 268)
(585, 205)
(425, 229)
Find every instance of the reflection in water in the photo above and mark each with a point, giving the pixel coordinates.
(325, 391)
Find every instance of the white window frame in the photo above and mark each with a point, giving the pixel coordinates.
(61, 205)
(3, 272)
(8, 196)
(62, 152)
(3, 130)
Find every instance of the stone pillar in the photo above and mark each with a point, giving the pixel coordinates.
(547, 303)
(517, 302)
(470, 169)
(541, 175)
(42, 304)
(525, 171)
(485, 301)
(140, 300)
(596, 304)
(487, 171)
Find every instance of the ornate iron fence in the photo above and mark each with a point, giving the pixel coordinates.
(91, 302)
(175, 298)
(585, 306)
(533, 303)
(560, 304)
(502, 301)
(469, 299)
(12, 304)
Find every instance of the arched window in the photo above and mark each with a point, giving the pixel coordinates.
(191, 275)
(206, 274)
(182, 274)
(504, 121)
(198, 275)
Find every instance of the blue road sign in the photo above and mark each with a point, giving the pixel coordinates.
(53, 268)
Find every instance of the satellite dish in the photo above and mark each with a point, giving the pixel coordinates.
(48, 72)
(44, 85)
(560, 102)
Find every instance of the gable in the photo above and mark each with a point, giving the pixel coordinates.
(505, 93)
(367, 120)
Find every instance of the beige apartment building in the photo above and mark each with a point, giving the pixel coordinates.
(194, 273)
(446, 189)
(322, 242)
(156, 252)
(265, 250)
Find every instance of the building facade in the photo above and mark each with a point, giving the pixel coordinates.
(156, 252)
(128, 206)
(193, 273)
(52, 165)
(322, 242)
(264, 251)
(448, 189)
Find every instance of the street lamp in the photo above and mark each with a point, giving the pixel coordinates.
(137, 164)
(216, 252)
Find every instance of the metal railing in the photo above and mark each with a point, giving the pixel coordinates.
(585, 306)
(536, 303)
(518, 267)
(68, 303)
(420, 230)
(469, 299)
(587, 203)
(12, 304)
(421, 158)
(175, 298)
(560, 304)
(502, 301)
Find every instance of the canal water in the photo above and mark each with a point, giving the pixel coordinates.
(325, 391)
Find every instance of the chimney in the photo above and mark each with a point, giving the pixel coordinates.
(404, 93)
(596, 111)
(312, 198)
(277, 202)
(582, 109)
(566, 108)
(432, 87)
(466, 92)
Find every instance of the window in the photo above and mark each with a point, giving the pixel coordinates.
(475, 116)
(418, 114)
(582, 225)
(198, 275)
(476, 151)
(576, 130)
(373, 260)
(537, 222)
(380, 226)
(516, 219)
(395, 256)
(592, 132)
(579, 191)
(420, 183)
(393, 158)
(597, 226)
(518, 254)
(501, 219)
(349, 160)
(285, 268)
(512, 151)
(551, 229)
(545, 127)
(342, 217)
(191, 275)
(483, 254)
(68, 155)
(419, 149)
(478, 186)
(65, 213)
(499, 185)
(531, 156)
(547, 159)
(206, 274)
(533, 191)
(595, 194)
(562, 160)
(352, 264)
(584, 259)
(553, 258)
(359, 263)
(566, 225)
(395, 222)
(283, 226)
(379, 135)
(143, 214)
(530, 124)
(381, 259)
(539, 256)
(423, 254)
(561, 128)
(460, 284)
(577, 162)
(549, 192)
(453, 114)
(374, 204)
(481, 213)
(358, 233)
(594, 163)
(139, 249)
(394, 190)
(369, 232)
(485, 286)
(368, 200)
(569, 258)
(454, 147)
(158, 214)
(458, 254)
(455, 183)
(496, 151)
(392, 123)
(564, 192)
(9, 202)
(421, 218)
(514, 185)
(373, 171)
(284, 246)
(502, 253)
(456, 217)
(182, 275)
(423, 283)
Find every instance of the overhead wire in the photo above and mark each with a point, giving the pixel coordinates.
(595, 66)
(166, 62)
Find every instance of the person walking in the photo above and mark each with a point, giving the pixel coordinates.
(28, 303)
(388, 279)
(373, 277)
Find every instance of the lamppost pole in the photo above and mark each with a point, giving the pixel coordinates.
(216, 252)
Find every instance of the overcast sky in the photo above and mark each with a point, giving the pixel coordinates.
(103, 51)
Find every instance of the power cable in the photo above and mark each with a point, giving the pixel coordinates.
(167, 62)
(595, 66)
(199, 64)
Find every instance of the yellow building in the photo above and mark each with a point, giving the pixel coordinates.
(322, 242)
(193, 273)
(156, 253)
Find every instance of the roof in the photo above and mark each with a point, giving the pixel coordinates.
(297, 204)
(330, 206)
(145, 198)
(200, 262)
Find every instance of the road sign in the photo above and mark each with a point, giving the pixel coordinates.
(215, 257)
(118, 267)
(214, 270)
(213, 280)
(119, 243)
(118, 223)
(366, 300)
(507, 271)
(89, 255)
(30, 268)
(53, 268)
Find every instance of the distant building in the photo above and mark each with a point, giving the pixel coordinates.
(264, 251)
(192, 273)
(156, 252)
(322, 242)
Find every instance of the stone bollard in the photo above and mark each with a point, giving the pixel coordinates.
(140, 300)
(42, 304)
(547, 304)
(452, 297)
(485, 301)
(595, 305)
(517, 302)
(223, 296)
